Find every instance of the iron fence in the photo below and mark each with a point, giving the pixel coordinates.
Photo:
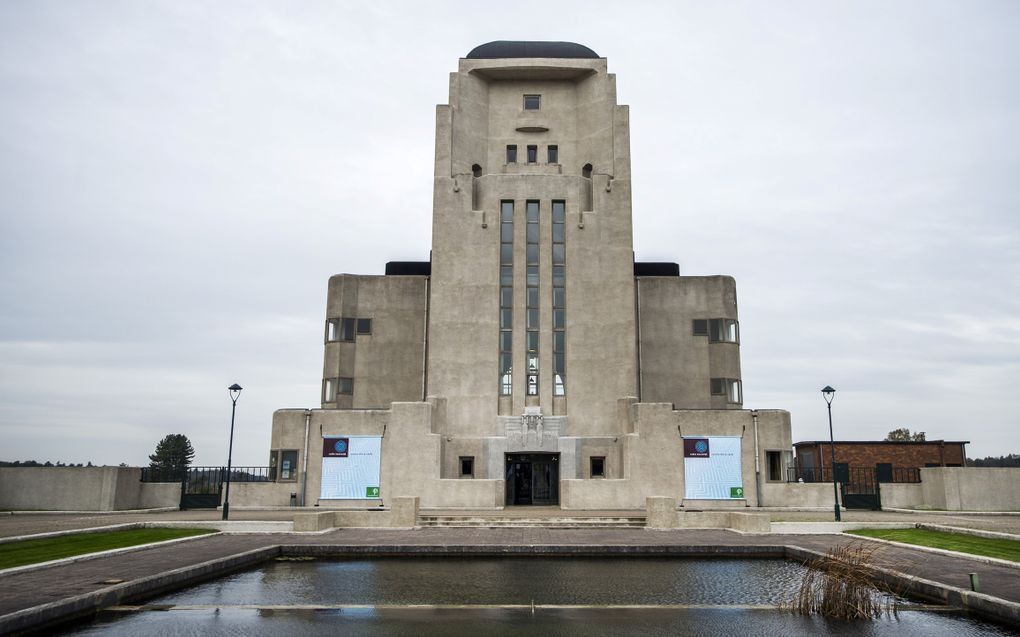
(854, 475)
(208, 476)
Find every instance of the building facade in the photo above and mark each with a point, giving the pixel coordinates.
(885, 456)
(531, 360)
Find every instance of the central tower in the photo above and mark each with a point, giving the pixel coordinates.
(532, 302)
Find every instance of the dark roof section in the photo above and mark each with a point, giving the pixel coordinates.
(521, 49)
(656, 268)
(408, 268)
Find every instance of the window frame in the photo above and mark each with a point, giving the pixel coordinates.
(601, 460)
(469, 459)
(532, 102)
(552, 154)
(363, 332)
(344, 386)
(293, 475)
(329, 386)
(531, 151)
(511, 153)
(777, 456)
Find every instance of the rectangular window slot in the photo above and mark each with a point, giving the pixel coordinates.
(467, 466)
(532, 154)
(329, 390)
(332, 330)
(729, 387)
(774, 461)
(364, 326)
(598, 466)
(345, 386)
(699, 327)
(506, 296)
(347, 329)
(559, 295)
(511, 154)
(553, 152)
(288, 465)
(723, 331)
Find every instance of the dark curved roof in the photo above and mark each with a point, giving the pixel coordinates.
(520, 49)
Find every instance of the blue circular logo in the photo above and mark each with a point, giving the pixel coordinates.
(701, 446)
(340, 446)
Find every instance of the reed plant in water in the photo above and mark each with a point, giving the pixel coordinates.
(841, 585)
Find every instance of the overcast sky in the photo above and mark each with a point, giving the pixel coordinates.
(179, 179)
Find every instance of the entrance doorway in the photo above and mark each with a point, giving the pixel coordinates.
(533, 478)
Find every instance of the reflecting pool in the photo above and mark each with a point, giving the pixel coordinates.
(506, 596)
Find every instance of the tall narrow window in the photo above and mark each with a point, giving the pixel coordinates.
(329, 390)
(332, 330)
(533, 308)
(532, 154)
(506, 296)
(559, 296)
(553, 154)
(511, 154)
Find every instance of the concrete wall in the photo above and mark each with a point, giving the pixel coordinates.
(387, 364)
(676, 365)
(262, 494)
(82, 489)
(958, 489)
(799, 494)
(653, 455)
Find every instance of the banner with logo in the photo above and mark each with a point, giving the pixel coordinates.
(350, 467)
(712, 468)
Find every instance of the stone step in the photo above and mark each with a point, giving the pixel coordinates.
(511, 522)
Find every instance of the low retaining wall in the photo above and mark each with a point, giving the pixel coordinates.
(662, 513)
(957, 489)
(82, 489)
(402, 514)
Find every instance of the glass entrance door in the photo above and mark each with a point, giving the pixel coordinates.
(532, 478)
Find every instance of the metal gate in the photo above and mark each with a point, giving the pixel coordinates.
(201, 488)
(860, 487)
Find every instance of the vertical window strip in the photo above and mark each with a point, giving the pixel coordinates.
(559, 264)
(506, 296)
(532, 300)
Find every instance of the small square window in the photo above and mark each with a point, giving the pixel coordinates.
(467, 466)
(345, 386)
(700, 327)
(718, 387)
(364, 326)
(553, 154)
(532, 154)
(532, 102)
(598, 466)
(511, 154)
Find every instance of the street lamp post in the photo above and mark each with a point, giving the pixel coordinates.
(828, 393)
(235, 391)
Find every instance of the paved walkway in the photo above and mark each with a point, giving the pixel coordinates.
(29, 523)
(27, 589)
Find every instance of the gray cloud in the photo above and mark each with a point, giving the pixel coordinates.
(179, 179)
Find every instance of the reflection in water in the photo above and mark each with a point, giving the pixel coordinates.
(589, 582)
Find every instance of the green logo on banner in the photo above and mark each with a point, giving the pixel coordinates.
(736, 492)
(371, 492)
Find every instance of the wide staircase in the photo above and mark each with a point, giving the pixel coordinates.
(525, 517)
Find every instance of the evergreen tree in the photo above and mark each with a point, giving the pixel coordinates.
(173, 454)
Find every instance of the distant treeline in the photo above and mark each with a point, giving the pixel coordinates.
(1012, 460)
(35, 463)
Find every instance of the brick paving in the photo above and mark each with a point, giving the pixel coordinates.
(23, 590)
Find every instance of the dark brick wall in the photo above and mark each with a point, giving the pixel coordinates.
(899, 454)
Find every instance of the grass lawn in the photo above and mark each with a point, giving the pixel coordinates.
(53, 548)
(988, 547)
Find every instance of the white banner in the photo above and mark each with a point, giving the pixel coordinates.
(712, 468)
(350, 467)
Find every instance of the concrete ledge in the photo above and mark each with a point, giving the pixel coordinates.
(814, 528)
(94, 529)
(992, 535)
(98, 554)
(226, 526)
(45, 615)
(977, 603)
(495, 550)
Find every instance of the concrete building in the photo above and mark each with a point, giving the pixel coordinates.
(531, 360)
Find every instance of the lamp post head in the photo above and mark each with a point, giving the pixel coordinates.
(828, 393)
(235, 391)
